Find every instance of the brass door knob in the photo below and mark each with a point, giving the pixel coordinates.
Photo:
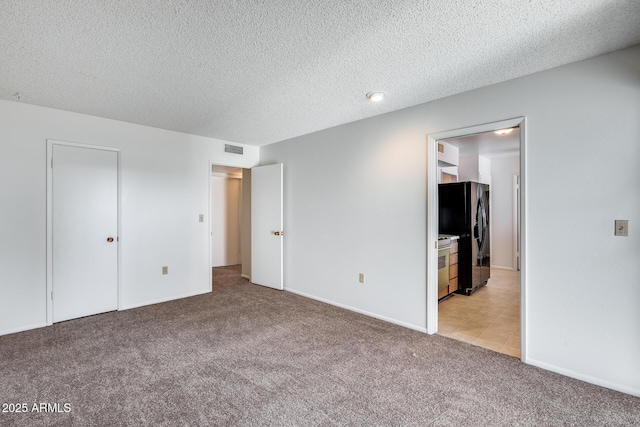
(109, 239)
(278, 233)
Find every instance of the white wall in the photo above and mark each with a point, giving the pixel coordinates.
(355, 202)
(164, 187)
(475, 168)
(501, 213)
(225, 221)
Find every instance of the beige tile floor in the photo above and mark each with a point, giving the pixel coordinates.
(488, 318)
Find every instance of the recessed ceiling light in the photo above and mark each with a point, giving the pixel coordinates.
(503, 132)
(376, 96)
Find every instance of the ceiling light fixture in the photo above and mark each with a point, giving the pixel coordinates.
(503, 132)
(375, 96)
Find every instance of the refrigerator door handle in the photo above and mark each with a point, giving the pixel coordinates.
(480, 228)
(476, 230)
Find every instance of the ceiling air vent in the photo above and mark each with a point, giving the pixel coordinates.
(233, 149)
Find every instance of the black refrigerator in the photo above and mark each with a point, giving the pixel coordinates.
(464, 211)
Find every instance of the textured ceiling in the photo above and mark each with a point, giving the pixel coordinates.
(261, 71)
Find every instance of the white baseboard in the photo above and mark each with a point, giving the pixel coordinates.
(357, 310)
(586, 378)
(124, 307)
(23, 328)
(161, 300)
(244, 276)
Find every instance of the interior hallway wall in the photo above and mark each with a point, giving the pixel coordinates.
(355, 202)
(501, 214)
(225, 221)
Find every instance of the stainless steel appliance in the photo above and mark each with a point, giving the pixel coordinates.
(464, 211)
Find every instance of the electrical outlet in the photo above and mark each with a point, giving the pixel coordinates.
(201, 217)
(361, 278)
(165, 269)
(622, 227)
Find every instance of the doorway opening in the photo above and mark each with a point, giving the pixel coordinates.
(482, 309)
(230, 219)
(261, 222)
(485, 309)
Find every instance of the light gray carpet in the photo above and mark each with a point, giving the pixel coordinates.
(245, 355)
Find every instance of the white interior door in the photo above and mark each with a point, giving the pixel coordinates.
(266, 226)
(85, 226)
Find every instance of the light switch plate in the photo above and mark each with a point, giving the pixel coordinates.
(622, 227)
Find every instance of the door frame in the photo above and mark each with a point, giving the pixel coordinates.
(432, 219)
(49, 244)
(516, 224)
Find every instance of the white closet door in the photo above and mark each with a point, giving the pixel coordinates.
(85, 226)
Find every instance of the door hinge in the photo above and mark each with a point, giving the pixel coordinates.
(51, 295)
(52, 163)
